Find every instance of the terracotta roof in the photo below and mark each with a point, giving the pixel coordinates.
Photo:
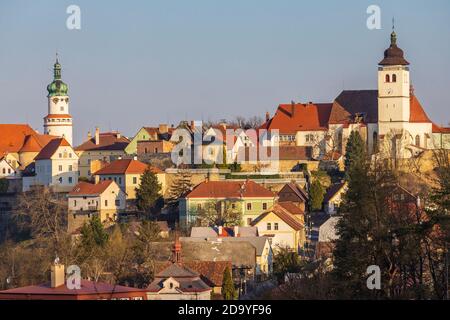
(290, 118)
(125, 166)
(352, 102)
(284, 215)
(211, 272)
(299, 192)
(85, 188)
(14, 136)
(108, 141)
(291, 208)
(230, 189)
(50, 149)
(333, 190)
(87, 288)
(35, 143)
(438, 129)
(417, 114)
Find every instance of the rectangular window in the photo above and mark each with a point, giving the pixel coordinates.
(60, 168)
(70, 168)
(117, 203)
(264, 206)
(134, 180)
(106, 203)
(233, 206)
(199, 206)
(70, 180)
(120, 180)
(269, 226)
(249, 206)
(74, 203)
(275, 226)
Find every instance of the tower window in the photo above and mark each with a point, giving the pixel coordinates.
(394, 78)
(62, 108)
(388, 78)
(418, 141)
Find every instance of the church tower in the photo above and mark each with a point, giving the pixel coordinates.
(58, 122)
(393, 89)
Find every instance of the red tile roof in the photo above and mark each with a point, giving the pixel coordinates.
(230, 189)
(85, 188)
(291, 208)
(439, 129)
(417, 114)
(290, 118)
(14, 136)
(284, 215)
(87, 288)
(125, 166)
(108, 141)
(50, 149)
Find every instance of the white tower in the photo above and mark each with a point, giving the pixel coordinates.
(58, 122)
(393, 90)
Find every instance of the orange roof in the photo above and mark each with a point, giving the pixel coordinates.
(291, 207)
(439, 129)
(50, 149)
(417, 114)
(85, 188)
(290, 118)
(284, 215)
(107, 141)
(230, 189)
(57, 116)
(126, 166)
(35, 143)
(12, 136)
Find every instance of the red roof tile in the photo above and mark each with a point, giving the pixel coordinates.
(14, 136)
(230, 189)
(125, 166)
(85, 188)
(284, 215)
(108, 141)
(290, 118)
(291, 208)
(50, 149)
(417, 114)
(438, 129)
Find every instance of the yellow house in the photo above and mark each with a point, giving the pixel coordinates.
(105, 147)
(104, 199)
(127, 174)
(284, 228)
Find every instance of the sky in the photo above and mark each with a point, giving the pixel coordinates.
(136, 63)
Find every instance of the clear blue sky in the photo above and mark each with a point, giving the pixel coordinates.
(138, 63)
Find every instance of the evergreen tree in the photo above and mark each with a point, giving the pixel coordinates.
(148, 193)
(93, 234)
(228, 291)
(355, 153)
(4, 185)
(316, 194)
(180, 186)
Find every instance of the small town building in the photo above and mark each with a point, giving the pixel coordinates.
(57, 166)
(247, 196)
(293, 193)
(106, 147)
(327, 235)
(284, 228)
(333, 197)
(57, 289)
(127, 174)
(160, 136)
(104, 199)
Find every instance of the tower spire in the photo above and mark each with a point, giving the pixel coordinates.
(393, 34)
(57, 68)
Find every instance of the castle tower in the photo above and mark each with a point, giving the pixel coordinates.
(393, 89)
(58, 122)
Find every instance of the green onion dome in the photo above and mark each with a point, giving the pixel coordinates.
(57, 87)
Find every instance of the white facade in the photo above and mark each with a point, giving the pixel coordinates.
(7, 170)
(60, 171)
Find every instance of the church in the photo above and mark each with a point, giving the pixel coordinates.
(391, 119)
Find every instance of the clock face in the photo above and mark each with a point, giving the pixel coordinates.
(390, 91)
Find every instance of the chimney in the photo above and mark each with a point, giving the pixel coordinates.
(57, 274)
(89, 136)
(292, 108)
(135, 158)
(220, 230)
(236, 231)
(97, 136)
(163, 128)
(267, 116)
(118, 135)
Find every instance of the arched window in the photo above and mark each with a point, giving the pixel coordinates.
(394, 78)
(418, 141)
(388, 78)
(375, 142)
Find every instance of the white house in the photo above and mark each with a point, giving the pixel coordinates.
(6, 169)
(57, 166)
